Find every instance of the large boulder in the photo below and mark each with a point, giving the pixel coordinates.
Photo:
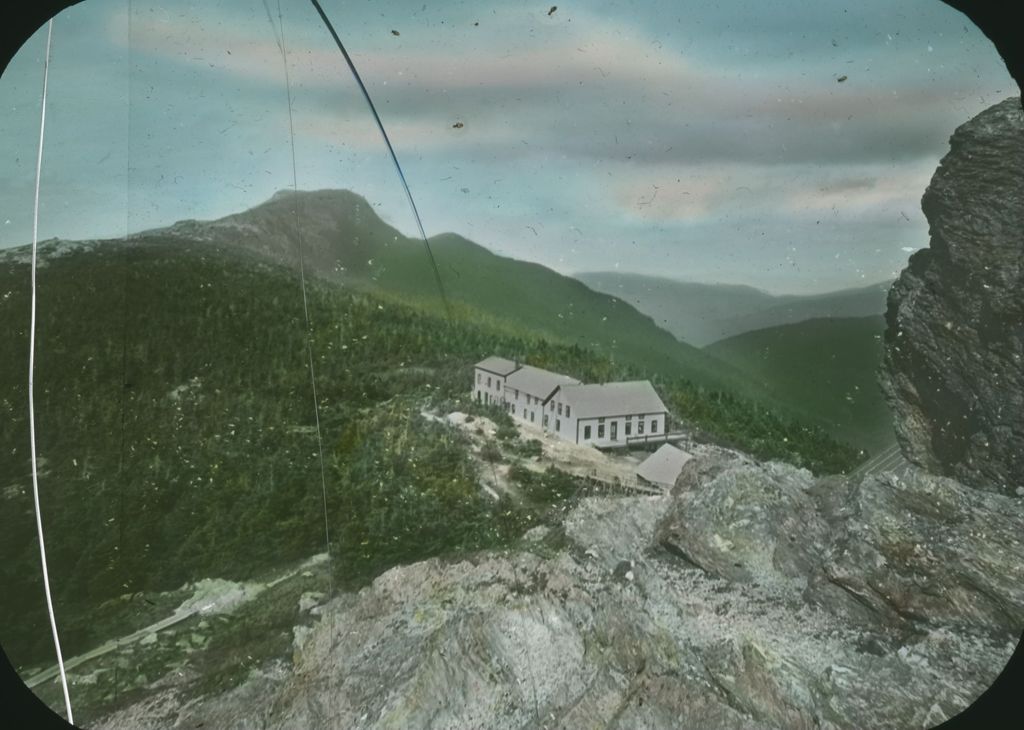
(748, 522)
(563, 637)
(922, 551)
(954, 345)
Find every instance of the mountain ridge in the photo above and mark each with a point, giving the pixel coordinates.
(701, 313)
(344, 240)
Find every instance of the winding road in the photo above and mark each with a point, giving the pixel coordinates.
(177, 617)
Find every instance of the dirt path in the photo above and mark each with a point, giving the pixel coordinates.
(581, 461)
(209, 596)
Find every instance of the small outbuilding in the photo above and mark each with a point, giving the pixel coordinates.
(662, 468)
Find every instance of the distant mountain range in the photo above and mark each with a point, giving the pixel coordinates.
(700, 314)
(635, 320)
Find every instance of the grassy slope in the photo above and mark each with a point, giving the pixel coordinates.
(204, 463)
(828, 364)
(526, 297)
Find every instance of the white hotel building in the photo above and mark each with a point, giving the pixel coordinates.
(603, 415)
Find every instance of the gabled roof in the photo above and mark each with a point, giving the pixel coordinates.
(612, 399)
(537, 382)
(497, 365)
(663, 466)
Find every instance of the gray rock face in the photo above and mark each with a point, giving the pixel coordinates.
(954, 346)
(762, 625)
(927, 551)
(757, 524)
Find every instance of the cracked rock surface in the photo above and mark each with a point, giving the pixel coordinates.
(954, 344)
(847, 626)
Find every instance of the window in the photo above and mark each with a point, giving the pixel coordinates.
(600, 420)
(479, 377)
(615, 431)
(552, 405)
(600, 430)
(640, 427)
(532, 414)
(567, 411)
(545, 420)
(497, 385)
(629, 428)
(558, 425)
(488, 381)
(559, 409)
(517, 393)
(586, 432)
(524, 413)
(654, 426)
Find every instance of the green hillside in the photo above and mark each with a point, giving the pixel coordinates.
(830, 365)
(866, 301)
(177, 435)
(523, 297)
(343, 239)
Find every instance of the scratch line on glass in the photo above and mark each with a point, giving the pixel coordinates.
(31, 383)
(391, 151)
(305, 301)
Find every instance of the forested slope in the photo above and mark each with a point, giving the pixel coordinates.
(177, 433)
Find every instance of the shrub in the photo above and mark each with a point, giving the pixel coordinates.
(529, 449)
(490, 452)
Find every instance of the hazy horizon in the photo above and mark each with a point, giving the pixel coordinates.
(783, 146)
(573, 274)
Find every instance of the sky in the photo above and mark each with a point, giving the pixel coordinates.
(783, 145)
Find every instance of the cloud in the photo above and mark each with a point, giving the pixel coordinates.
(663, 193)
(656, 136)
(591, 89)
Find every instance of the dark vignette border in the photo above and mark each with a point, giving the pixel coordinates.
(1001, 706)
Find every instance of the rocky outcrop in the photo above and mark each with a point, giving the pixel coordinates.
(758, 524)
(761, 599)
(954, 345)
(927, 551)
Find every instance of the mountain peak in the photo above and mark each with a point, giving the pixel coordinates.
(326, 194)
